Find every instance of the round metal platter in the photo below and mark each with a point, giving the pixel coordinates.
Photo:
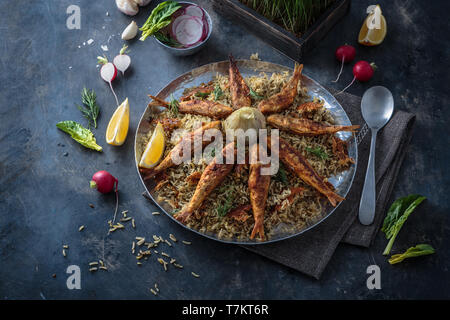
(342, 182)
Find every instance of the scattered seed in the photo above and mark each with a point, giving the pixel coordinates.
(133, 246)
(140, 241)
(168, 243)
(124, 213)
(93, 269)
(133, 224)
(91, 205)
(94, 263)
(186, 242)
(54, 275)
(156, 238)
(64, 253)
(139, 263)
(81, 228)
(164, 263)
(153, 291)
(65, 246)
(172, 260)
(195, 275)
(125, 219)
(165, 254)
(103, 268)
(156, 287)
(156, 251)
(101, 262)
(178, 265)
(155, 213)
(172, 237)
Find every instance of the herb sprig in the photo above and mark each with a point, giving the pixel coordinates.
(218, 93)
(223, 209)
(254, 95)
(281, 175)
(202, 95)
(90, 109)
(318, 152)
(173, 105)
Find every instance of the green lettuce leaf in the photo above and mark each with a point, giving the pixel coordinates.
(159, 18)
(419, 250)
(396, 216)
(80, 134)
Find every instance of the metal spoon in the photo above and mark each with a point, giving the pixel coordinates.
(377, 106)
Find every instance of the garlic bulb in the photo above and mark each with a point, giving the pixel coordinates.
(130, 31)
(129, 7)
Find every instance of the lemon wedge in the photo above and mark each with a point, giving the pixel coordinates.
(376, 35)
(154, 149)
(117, 130)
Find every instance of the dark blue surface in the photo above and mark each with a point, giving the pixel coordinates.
(44, 175)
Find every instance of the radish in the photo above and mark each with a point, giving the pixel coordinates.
(122, 61)
(108, 72)
(105, 182)
(188, 31)
(345, 54)
(194, 11)
(362, 71)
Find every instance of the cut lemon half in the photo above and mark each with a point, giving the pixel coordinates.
(117, 130)
(372, 37)
(155, 148)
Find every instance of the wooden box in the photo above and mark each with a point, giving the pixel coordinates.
(279, 38)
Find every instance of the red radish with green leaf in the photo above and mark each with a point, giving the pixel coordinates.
(362, 71)
(108, 72)
(345, 54)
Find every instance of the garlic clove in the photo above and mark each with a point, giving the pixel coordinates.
(129, 7)
(130, 31)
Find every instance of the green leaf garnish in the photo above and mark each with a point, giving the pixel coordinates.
(419, 250)
(202, 95)
(281, 175)
(254, 95)
(396, 217)
(160, 17)
(80, 134)
(318, 152)
(90, 109)
(223, 209)
(167, 40)
(218, 93)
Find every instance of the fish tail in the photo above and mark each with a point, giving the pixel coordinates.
(183, 216)
(334, 198)
(258, 229)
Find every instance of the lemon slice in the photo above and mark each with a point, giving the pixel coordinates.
(154, 149)
(372, 37)
(117, 130)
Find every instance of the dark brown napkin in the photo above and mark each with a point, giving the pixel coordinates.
(310, 252)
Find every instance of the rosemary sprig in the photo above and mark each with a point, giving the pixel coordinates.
(173, 105)
(90, 109)
(218, 93)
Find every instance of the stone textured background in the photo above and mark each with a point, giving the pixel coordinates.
(44, 175)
